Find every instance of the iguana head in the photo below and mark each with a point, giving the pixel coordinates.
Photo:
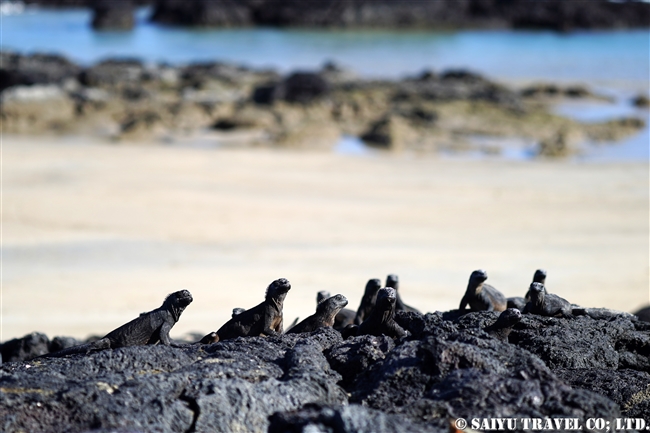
(392, 280)
(385, 305)
(330, 307)
(508, 318)
(476, 279)
(278, 289)
(372, 286)
(537, 293)
(182, 298)
(177, 302)
(540, 276)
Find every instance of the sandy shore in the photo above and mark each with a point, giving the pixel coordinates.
(94, 234)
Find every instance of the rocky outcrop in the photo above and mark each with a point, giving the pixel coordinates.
(561, 16)
(452, 368)
(351, 418)
(34, 109)
(128, 99)
(231, 386)
(33, 345)
(641, 101)
(630, 389)
(21, 70)
(448, 367)
(561, 144)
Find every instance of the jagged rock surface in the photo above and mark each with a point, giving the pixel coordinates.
(448, 367)
(228, 386)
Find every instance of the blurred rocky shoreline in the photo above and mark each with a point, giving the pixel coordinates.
(128, 100)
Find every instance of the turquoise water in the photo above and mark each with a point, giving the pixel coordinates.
(616, 63)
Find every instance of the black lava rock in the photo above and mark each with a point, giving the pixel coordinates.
(448, 367)
(344, 419)
(628, 388)
(27, 347)
(585, 342)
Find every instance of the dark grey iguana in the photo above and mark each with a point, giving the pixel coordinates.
(367, 301)
(343, 318)
(263, 319)
(504, 324)
(480, 296)
(326, 312)
(517, 301)
(149, 328)
(382, 318)
(547, 304)
(392, 280)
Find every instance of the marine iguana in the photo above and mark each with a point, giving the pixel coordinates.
(321, 296)
(343, 318)
(392, 280)
(547, 304)
(263, 319)
(325, 315)
(382, 318)
(539, 276)
(149, 328)
(502, 327)
(517, 301)
(367, 301)
(480, 296)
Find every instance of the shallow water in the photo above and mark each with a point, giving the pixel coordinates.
(635, 147)
(611, 56)
(614, 63)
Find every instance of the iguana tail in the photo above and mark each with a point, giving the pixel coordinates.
(100, 344)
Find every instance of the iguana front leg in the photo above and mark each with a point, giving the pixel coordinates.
(269, 331)
(463, 303)
(166, 339)
(279, 327)
(269, 322)
(164, 333)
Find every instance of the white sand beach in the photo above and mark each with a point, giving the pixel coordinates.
(94, 233)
